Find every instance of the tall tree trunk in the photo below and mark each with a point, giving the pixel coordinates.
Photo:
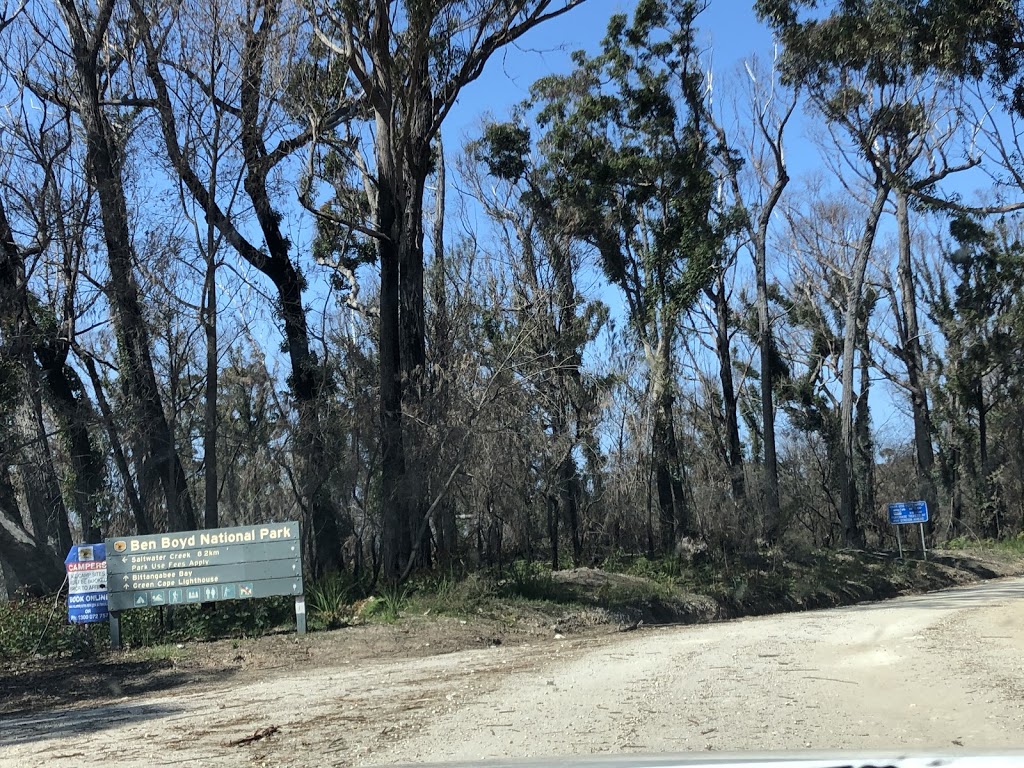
(29, 564)
(102, 159)
(46, 504)
(208, 317)
(211, 516)
(673, 516)
(853, 533)
(395, 537)
(412, 353)
(729, 404)
(403, 164)
(445, 525)
(865, 464)
(414, 165)
(568, 497)
(910, 344)
(143, 525)
(772, 511)
(991, 503)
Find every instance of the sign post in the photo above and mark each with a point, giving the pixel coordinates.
(204, 567)
(87, 583)
(908, 513)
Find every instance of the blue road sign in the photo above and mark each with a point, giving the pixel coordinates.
(907, 512)
(86, 565)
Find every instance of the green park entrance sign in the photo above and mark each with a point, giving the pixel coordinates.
(204, 567)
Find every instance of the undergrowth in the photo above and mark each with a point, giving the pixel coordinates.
(739, 584)
(32, 627)
(1012, 547)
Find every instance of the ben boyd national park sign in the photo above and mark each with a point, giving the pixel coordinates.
(169, 569)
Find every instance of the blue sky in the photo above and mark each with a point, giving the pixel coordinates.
(730, 29)
(729, 32)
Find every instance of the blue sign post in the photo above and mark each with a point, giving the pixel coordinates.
(87, 583)
(908, 513)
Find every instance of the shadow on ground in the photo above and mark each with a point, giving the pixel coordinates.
(67, 683)
(27, 728)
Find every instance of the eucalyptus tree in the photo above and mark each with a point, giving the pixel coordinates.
(71, 58)
(403, 65)
(757, 186)
(548, 305)
(228, 67)
(894, 120)
(964, 39)
(629, 153)
(973, 298)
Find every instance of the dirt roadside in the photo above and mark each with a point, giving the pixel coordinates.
(933, 671)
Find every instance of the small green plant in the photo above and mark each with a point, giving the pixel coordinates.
(531, 581)
(444, 587)
(438, 592)
(667, 570)
(330, 602)
(388, 605)
(392, 602)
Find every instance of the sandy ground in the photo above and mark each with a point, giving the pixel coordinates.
(941, 671)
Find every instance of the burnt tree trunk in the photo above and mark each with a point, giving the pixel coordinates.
(910, 347)
(729, 400)
(103, 160)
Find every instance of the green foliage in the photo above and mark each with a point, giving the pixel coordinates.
(665, 570)
(30, 627)
(530, 581)
(330, 602)
(503, 149)
(241, 618)
(891, 39)
(34, 627)
(627, 156)
(388, 605)
(1009, 547)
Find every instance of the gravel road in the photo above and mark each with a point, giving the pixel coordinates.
(939, 671)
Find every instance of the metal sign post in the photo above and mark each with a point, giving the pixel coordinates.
(908, 513)
(300, 614)
(115, 630)
(204, 567)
